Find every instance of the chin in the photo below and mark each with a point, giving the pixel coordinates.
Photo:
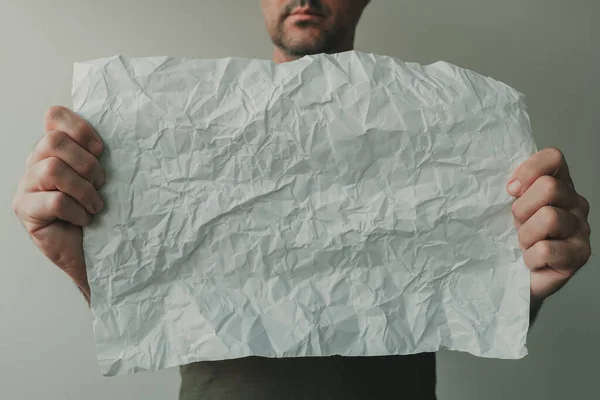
(306, 43)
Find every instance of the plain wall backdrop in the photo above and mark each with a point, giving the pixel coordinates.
(547, 49)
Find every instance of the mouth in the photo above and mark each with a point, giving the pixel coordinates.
(305, 13)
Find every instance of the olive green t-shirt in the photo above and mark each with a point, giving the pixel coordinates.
(313, 378)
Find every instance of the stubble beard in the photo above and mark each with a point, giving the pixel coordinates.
(323, 42)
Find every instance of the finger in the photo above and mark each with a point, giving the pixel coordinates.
(59, 118)
(60, 145)
(563, 256)
(546, 190)
(41, 208)
(545, 282)
(548, 222)
(53, 174)
(584, 206)
(545, 162)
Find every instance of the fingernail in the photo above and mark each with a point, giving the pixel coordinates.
(100, 180)
(98, 205)
(514, 188)
(95, 147)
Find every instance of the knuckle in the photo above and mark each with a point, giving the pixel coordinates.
(544, 250)
(522, 238)
(586, 252)
(53, 166)
(586, 228)
(550, 187)
(550, 216)
(55, 113)
(554, 155)
(57, 202)
(569, 273)
(585, 205)
(524, 171)
(56, 139)
(517, 211)
(81, 130)
(89, 167)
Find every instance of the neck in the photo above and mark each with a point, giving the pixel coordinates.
(280, 56)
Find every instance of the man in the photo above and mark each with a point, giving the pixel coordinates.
(59, 194)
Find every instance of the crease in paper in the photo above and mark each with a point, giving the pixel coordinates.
(345, 204)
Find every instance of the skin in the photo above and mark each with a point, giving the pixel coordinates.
(58, 193)
(552, 219)
(301, 27)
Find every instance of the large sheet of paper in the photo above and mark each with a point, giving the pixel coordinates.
(345, 204)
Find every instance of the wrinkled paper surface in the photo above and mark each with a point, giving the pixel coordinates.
(344, 204)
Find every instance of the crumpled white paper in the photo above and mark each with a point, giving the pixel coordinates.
(344, 204)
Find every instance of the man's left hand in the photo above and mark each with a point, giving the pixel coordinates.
(551, 217)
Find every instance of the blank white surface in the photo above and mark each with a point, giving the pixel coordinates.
(547, 49)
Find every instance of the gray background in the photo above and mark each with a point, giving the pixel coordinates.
(547, 49)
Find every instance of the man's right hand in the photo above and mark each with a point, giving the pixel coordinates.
(58, 194)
